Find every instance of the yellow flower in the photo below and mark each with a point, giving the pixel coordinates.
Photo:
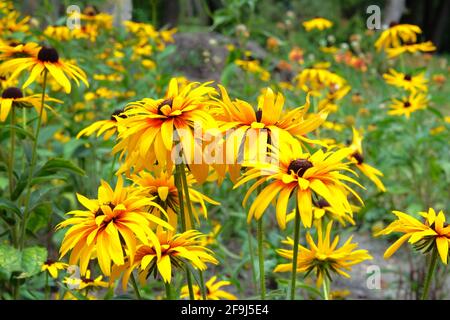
(406, 81)
(108, 127)
(30, 49)
(434, 233)
(253, 66)
(323, 258)
(408, 105)
(300, 175)
(411, 48)
(47, 59)
(315, 79)
(176, 249)
(160, 185)
(85, 281)
(296, 54)
(213, 291)
(396, 35)
(317, 23)
(12, 97)
(52, 267)
(358, 159)
(151, 126)
(113, 221)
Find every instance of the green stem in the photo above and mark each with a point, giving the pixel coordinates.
(187, 196)
(135, 286)
(295, 253)
(431, 269)
(179, 168)
(202, 285)
(154, 12)
(11, 155)
(168, 291)
(252, 255)
(47, 288)
(111, 171)
(262, 275)
(326, 288)
(32, 166)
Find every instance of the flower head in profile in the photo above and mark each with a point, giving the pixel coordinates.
(112, 222)
(86, 281)
(396, 35)
(358, 159)
(325, 257)
(52, 267)
(407, 105)
(318, 24)
(47, 59)
(434, 232)
(160, 185)
(214, 290)
(408, 82)
(411, 48)
(316, 79)
(107, 127)
(15, 50)
(303, 176)
(13, 97)
(151, 127)
(176, 249)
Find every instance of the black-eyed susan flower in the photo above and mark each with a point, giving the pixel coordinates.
(434, 232)
(108, 127)
(13, 50)
(317, 23)
(176, 250)
(315, 79)
(253, 66)
(151, 126)
(160, 185)
(302, 176)
(427, 46)
(250, 131)
(112, 222)
(86, 281)
(323, 258)
(408, 82)
(407, 105)
(396, 35)
(12, 97)
(213, 290)
(48, 60)
(358, 159)
(52, 267)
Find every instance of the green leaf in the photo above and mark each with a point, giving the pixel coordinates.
(20, 131)
(59, 164)
(9, 205)
(10, 261)
(32, 260)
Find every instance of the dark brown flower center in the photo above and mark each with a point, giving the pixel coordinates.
(167, 102)
(299, 166)
(117, 113)
(49, 262)
(407, 77)
(48, 54)
(358, 156)
(322, 203)
(258, 115)
(393, 24)
(406, 104)
(86, 280)
(12, 93)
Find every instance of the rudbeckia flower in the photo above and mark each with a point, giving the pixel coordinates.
(149, 131)
(358, 159)
(317, 23)
(85, 281)
(11, 51)
(111, 223)
(213, 291)
(396, 35)
(52, 267)
(301, 175)
(407, 105)
(313, 80)
(108, 127)
(47, 59)
(12, 97)
(160, 185)
(176, 249)
(411, 48)
(434, 232)
(324, 258)
(406, 81)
